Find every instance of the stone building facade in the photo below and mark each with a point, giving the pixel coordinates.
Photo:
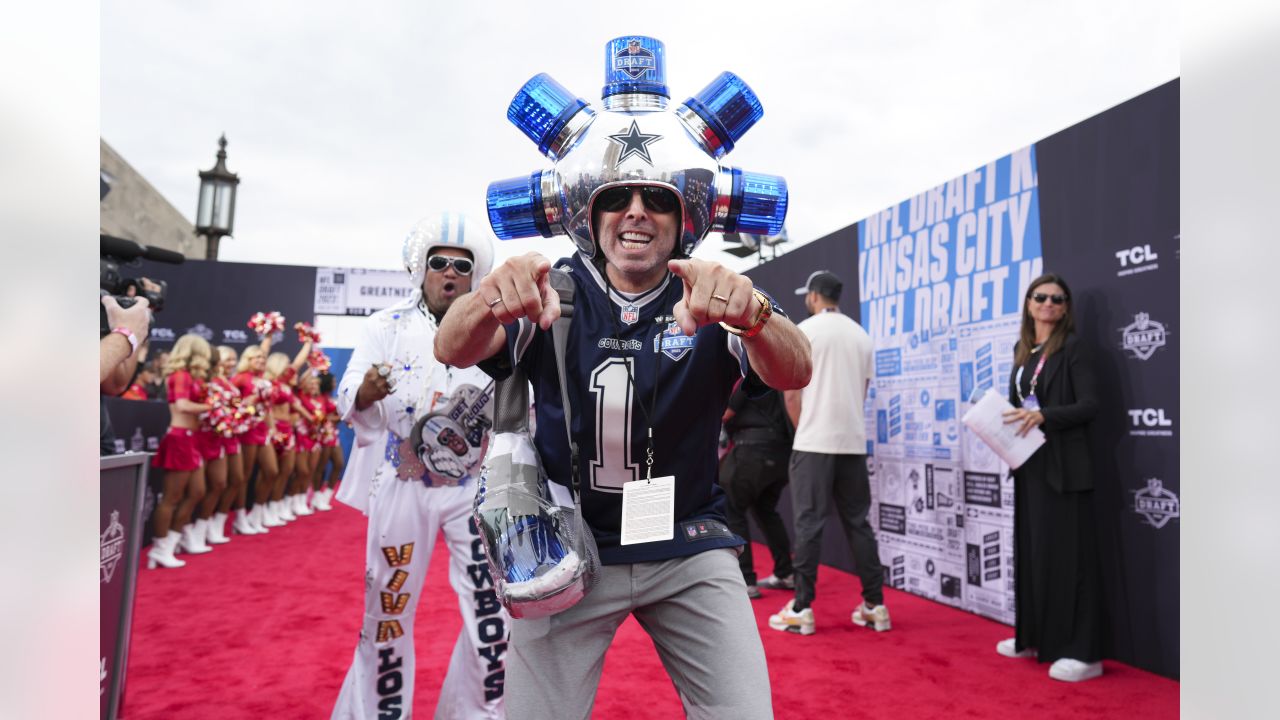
(134, 210)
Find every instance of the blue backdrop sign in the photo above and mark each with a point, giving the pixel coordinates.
(955, 254)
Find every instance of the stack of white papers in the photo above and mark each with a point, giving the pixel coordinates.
(986, 420)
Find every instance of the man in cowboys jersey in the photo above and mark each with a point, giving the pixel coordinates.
(646, 354)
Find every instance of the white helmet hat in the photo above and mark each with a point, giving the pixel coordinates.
(447, 230)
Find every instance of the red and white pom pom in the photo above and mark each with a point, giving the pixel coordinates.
(307, 332)
(319, 361)
(258, 323)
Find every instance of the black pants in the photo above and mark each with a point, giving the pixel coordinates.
(753, 477)
(1058, 571)
(816, 480)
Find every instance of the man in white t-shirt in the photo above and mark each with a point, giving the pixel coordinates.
(829, 457)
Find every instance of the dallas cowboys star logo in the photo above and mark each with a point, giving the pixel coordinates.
(634, 142)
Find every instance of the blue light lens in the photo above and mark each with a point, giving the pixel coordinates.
(760, 202)
(542, 108)
(635, 64)
(515, 207)
(729, 107)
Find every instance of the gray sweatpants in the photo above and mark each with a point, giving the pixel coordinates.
(697, 612)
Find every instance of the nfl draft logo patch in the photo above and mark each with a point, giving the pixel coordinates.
(111, 546)
(630, 314)
(634, 60)
(673, 342)
(1157, 504)
(1143, 336)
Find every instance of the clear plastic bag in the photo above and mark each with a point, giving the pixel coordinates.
(542, 555)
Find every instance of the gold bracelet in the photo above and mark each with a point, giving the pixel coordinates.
(757, 324)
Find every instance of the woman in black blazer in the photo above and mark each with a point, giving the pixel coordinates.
(1057, 575)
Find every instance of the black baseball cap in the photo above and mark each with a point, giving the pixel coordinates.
(823, 282)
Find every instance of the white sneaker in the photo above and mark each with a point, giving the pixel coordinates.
(788, 620)
(1009, 648)
(877, 617)
(1069, 670)
(778, 583)
(283, 512)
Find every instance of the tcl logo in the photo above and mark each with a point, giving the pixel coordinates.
(1136, 256)
(1149, 417)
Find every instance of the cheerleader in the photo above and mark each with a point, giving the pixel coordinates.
(255, 451)
(283, 406)
(330, 448)
(310, 426)
(221, 450)
(179, 454)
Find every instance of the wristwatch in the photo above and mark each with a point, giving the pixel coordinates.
(757, 324)
(128, 334)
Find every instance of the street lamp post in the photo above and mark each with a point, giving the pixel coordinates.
(216, 211)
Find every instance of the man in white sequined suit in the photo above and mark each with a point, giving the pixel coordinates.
(421, 431)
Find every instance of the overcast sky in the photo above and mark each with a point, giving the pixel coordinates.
(348, 122)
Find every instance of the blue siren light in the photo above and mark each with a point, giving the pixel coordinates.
(635, 64)
(728, 107)
(636, 135)
(760, 201)
(515, 207)
(546, 112)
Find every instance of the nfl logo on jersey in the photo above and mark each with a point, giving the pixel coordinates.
(630, 314)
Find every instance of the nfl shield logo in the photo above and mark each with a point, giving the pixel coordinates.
(691, 530)
(630, 314)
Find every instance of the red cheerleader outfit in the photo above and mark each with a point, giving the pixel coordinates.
(329, 429)
(214, 444)
(231, 445)
(179, 450)
(282, 436)
(253, 392)
(309, 427)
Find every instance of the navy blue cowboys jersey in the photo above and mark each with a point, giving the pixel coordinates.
(613, 339)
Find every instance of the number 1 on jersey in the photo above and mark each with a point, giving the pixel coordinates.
(614, 394)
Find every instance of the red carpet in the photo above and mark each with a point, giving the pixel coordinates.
(265, 627)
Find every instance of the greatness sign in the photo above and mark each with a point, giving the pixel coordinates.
(955, 254)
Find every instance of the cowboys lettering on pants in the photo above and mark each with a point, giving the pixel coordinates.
(421, 431)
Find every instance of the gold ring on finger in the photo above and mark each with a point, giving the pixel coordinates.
(494, 302)
(721, 298)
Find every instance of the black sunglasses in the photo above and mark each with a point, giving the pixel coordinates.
(656, 199)
(439, 263)
(1057, 299)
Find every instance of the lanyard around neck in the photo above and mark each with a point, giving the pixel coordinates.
(1035, 377)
